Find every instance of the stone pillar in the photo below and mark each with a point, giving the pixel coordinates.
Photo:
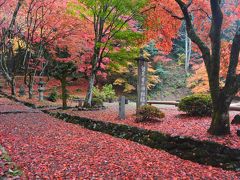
(41, 90)
(122, 107)
(22, 90)
(142, 81)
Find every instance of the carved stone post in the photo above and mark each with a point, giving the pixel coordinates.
(41, 90)
(142, 81)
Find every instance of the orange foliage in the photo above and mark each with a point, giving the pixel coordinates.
(199, 81)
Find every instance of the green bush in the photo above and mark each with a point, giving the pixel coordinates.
(196, 105)
(106, 94)
(97, 102)
(109, 93)
(97, 93)
(53, 96)
(148, 113)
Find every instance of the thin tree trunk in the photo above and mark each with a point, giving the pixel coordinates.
(30, 87)
(88, 99)
(188, 51)
(13, 87)
(64, 93)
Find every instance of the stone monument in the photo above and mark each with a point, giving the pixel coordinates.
(142, 80)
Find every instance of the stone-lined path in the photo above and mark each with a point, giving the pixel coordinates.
(46, 148)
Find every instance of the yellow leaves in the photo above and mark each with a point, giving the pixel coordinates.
(199, 81)
(152, 81)
(119, 82)
(129, 88)
(146, 55)
(17, 44)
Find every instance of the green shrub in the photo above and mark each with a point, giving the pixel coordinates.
(97, 102)
(148, 113)
(97, 93)
(109, 93)
(196, 105)
(53, 96)
(106, 94)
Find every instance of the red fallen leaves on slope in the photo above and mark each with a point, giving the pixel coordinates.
(175, 123)
(45, 147)
(8, 169)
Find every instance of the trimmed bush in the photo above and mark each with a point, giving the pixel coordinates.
(236, 119)
(97, 102)
(149, 113)
(53, 96)
(196, 105)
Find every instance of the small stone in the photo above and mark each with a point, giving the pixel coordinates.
(236, 120)
(238, 132)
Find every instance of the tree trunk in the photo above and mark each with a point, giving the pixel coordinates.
(30, 87)
(88, 99)
(13, 87)
(64, 93)
(220, 124)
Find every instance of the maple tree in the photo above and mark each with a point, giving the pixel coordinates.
(108, 18)
(46, 22)
(61, 70)
(9, 30)
(212, 20)
(199, 81)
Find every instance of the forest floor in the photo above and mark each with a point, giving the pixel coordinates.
(175, 123)
(47, 148)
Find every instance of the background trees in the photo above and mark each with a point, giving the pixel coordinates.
(61, 69)
(107, 18)
(9, 31)
(212, 13)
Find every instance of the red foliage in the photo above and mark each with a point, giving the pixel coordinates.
(175, 123)
(47, 148)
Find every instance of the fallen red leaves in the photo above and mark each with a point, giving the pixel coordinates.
(8, 169)
(175, 123)
(47, 148)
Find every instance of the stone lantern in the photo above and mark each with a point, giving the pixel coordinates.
(41, 89)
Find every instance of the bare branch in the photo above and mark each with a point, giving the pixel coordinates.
(193, 35)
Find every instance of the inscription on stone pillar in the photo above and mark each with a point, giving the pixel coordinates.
(142, 81)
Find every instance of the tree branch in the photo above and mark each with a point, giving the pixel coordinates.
(232, 80)
(192, 34)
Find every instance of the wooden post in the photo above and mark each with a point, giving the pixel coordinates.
(142, 81)
(122, 107)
